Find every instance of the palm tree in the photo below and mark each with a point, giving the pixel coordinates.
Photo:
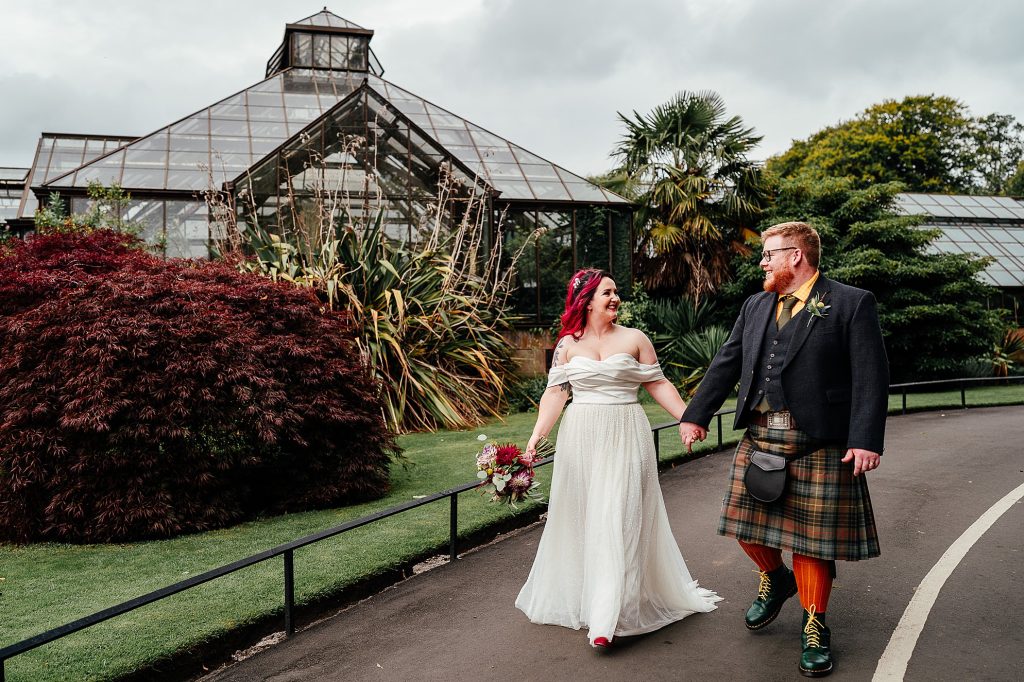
(685, 164)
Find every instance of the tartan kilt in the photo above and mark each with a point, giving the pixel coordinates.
(825, 511)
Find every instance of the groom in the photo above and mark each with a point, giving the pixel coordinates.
(813, 386)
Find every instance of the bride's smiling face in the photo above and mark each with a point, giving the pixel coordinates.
(605, 304)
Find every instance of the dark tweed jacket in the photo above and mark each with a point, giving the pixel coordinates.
(835, 378)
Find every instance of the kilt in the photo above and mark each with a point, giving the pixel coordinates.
(824, 513)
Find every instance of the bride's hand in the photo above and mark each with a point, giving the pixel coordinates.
(531, 446)
(690, 433)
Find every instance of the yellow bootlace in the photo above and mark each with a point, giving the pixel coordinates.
(813, 629)
(764, 588)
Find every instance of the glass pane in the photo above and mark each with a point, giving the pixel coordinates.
(256, 98)
(189, 160)
(516, 232)
(357, 49)
(550, 190)
(321, 51)
(187, 230)
(593, 239)
(302, 49)
(276, 129)
(143, 178)
(190, 143)
(544, 172)
(231, 127)
(261, 113)
(144, 158)
(107, 176)
(453, 136)
(555, 262)
(226, 144)
(513, 190)
(233, 107)
(198, 124)
(339, 52)
(155, 141)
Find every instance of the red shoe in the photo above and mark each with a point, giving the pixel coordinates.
(602, 643)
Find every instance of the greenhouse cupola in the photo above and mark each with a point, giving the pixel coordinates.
(325, 41)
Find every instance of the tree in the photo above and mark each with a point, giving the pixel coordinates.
(929, 143)
(999, 152)
(933, 309)
(685, 164)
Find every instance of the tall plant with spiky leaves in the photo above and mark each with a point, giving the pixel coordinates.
(686, 165)
(429, 316)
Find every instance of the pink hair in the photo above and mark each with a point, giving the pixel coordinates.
(582, 288)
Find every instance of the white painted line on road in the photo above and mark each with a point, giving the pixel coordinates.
(893, 663)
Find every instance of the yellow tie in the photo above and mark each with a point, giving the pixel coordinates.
(788, 302)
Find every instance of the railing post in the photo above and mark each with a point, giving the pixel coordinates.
(657, 446)
(963, 396)
(904, 401)
(289, 593)
(2, 664)
(453, 528)
(719, 432)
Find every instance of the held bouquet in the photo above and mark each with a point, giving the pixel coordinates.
(506, 472)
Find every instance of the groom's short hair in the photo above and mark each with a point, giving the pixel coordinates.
(805, 236)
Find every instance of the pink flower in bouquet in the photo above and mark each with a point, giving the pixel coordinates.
(521, 482)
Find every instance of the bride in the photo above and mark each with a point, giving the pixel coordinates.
(607, 559)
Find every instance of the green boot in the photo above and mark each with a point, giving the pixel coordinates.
(816, 659)
(774, 589)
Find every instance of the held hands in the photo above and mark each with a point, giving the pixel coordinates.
(531, 446)
(691, 433)
(863, 460)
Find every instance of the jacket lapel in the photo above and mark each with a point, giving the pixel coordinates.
(805, 320)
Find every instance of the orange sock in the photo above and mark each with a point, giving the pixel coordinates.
(813, 582)
(766, 558)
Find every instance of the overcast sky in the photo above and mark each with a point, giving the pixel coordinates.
(549, 75)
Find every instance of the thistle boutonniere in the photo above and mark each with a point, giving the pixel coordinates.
(816, 308)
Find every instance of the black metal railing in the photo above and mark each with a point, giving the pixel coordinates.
(452, 494)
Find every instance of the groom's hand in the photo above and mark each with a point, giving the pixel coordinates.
(691, 433)
(863, 460)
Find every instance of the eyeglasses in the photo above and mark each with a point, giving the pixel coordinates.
(766, 256)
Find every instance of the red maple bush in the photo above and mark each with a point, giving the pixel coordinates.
(143, 398)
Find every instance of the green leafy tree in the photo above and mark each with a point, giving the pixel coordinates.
(933, 309)
(926, 142)
(1015, 185)
(998, 153)
(686, 165)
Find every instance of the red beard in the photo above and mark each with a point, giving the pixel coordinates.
(779, 280)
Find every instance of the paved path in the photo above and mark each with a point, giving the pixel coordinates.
(941, 472)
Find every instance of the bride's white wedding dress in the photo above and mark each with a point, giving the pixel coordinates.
(607, 558)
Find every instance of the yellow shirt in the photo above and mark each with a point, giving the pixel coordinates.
(802, 294)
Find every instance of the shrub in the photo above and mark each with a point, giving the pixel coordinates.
(143, 398)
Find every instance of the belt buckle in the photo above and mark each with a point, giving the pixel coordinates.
(779, 420)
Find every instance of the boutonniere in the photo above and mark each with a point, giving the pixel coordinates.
(816, 308)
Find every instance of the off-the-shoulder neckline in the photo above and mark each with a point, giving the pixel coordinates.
(613, 355)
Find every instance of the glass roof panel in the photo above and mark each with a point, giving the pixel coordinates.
(584, 191)
(10, 173)
(446, 127)
(328, 19)
(511, 189)
(550, 190)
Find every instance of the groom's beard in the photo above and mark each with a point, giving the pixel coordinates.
(778, 281)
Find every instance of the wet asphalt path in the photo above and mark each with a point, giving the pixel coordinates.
(941, 471)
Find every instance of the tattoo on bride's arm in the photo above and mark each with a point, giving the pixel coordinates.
(567, 387)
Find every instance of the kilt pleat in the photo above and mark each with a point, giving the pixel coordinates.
(825, 512)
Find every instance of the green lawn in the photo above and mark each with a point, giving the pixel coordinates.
(44, 586)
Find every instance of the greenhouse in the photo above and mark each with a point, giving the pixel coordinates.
(324, 117)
